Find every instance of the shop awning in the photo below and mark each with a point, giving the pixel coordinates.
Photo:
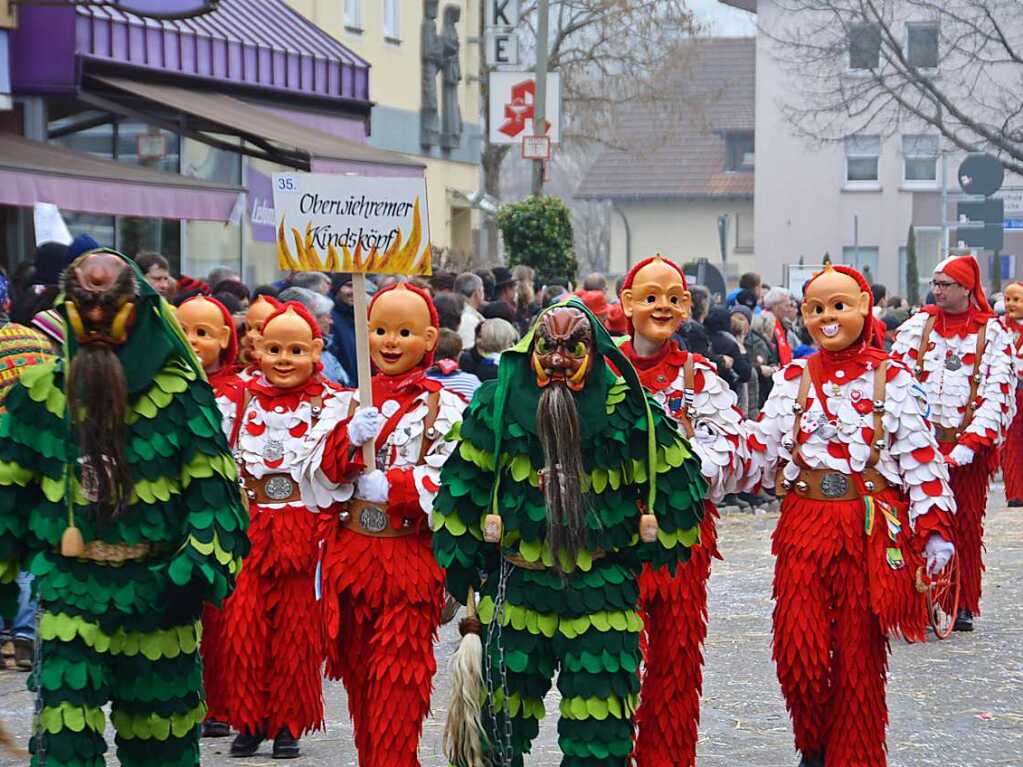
(31, 172)
(207, 115)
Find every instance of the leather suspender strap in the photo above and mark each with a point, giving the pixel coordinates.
(804, 392)
(880, 381)
(689, 382)
(429, 433)
(971, 404)
(243, 405)
(925, 341)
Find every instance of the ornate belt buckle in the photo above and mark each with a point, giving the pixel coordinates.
(279, 488)
(834, 484)
(373, 520)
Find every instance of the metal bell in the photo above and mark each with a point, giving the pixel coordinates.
(797, 408)
(788, 443)
(976, 378)
(406, 523)
(251, 494)
(787, 484)
(869, 485)
(343, 516)
(691, 413)
(880, 444)
(317, 409)
(801, 486)
(879, 406)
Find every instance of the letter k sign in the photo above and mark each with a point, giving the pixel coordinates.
(503, 13)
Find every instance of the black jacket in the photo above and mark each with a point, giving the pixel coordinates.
(722, 342)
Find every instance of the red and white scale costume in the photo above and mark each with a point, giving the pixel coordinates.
(674, 608)
(837, 596)
(1012, 449)
(273, 621)
(383, 596)
(948, 365)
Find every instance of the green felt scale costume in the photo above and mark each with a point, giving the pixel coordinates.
(107, 630)
(583, 622)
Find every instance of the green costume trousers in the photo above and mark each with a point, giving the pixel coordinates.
(595, 655)
(153, 681)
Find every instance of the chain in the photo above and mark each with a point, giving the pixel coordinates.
(503, 739)
(37, 680)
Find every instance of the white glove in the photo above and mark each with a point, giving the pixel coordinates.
(961, 455)
(939, 552)
(373, 487)
(365, 425)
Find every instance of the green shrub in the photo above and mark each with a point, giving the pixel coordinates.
(538, 232)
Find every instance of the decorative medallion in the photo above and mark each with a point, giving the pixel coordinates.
(373, 519)
(834, 484)
(279, 488)
(273, 450)
(953, 362)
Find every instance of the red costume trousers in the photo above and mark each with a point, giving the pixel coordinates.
(383, 600)
(273, 628)
(1012, 454)
(674, 610)
(213, 667)
(830, 647)
(970, 487)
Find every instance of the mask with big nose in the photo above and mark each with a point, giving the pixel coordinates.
(563, 349)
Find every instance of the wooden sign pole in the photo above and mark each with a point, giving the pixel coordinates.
(361, 306)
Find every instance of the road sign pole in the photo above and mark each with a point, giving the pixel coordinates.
(540, 98)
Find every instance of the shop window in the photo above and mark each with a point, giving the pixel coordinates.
(862, 157)
(922, 45)
(740, 152)
(392, 14)
(920, 158)
(864, 46)
(148, 146)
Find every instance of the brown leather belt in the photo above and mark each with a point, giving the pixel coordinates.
(827, 485)
(272, 488)
(519, 561)
(372, 519)
(947, 434)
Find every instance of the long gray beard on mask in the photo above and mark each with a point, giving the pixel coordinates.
(557, 422)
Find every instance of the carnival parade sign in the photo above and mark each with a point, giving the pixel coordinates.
(356, 224)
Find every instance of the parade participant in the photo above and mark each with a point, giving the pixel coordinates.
(255, 317)
(383, 589)
(865, 497)
(273, 623)
(655, 301)
(210, 331)
(962, 356)
(118, 488)
(587, 467)
(1012, 450)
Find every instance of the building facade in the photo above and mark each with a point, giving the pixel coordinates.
(854, 198)
(425, 66)
(681, 178)
(163, 135)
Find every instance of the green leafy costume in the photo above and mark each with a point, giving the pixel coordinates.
(584, 621)
(105, 629)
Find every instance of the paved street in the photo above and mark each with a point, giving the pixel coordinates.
(957, 703)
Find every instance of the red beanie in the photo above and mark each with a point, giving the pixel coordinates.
(966, 271)
(434, 317)
(230, 355)
(631, 276)
(300, 310)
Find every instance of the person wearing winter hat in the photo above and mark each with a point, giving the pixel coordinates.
(866, 507)
(962, 356)
(655, 300)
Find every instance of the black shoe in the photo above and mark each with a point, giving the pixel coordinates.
(964, 620)
(285, 745)
(245, 744)
(1015, 503)
(211, 728)
(812, 761)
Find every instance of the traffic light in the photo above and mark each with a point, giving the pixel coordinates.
(990, 213)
